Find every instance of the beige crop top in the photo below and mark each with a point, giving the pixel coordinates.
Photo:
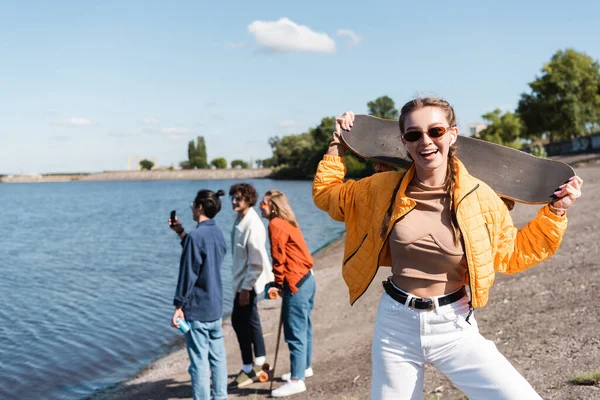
(422, 243)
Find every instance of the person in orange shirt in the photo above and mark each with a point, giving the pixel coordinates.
(292, 268)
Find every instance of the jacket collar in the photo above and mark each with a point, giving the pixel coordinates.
(247, 220)
(207, 222)
(465, 183)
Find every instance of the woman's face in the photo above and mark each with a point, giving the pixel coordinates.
(428, 152)
(265, 207)
(238, 203)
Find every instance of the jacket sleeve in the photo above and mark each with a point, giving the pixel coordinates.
(189, 268)
(256, 250)
(520, 249)
(329, 191)
(278, 238)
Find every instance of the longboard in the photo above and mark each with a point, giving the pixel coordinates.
(512, 174)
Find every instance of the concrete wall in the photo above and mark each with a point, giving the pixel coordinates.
(192, 174)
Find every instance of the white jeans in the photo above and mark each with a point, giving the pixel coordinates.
(406, 339)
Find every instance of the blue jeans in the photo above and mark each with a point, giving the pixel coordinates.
(206, 349)
(297, 325)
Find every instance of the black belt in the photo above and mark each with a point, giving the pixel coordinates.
(419, 303)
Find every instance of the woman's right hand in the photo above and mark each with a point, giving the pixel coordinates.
(344, 122)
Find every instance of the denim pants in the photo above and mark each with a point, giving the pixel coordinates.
(406, 339)
(206, 349)
(246, 324)
(297, 325)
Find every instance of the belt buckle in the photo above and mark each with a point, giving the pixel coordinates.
(411, 304)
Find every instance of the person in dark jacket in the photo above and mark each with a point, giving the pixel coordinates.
(199, 297)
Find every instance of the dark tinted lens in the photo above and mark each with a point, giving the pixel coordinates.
(436, 132)
(412, 136)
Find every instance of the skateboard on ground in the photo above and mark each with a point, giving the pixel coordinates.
(265, 374)
(512, 174)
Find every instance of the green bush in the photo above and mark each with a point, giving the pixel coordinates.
(146, 164)
(239, 163)
(539, 151)
(219, 163)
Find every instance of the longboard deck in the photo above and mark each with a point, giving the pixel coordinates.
(511, 173)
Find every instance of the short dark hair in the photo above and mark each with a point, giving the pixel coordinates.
(211, 204)
(246, 190)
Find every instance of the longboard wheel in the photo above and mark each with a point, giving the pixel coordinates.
(266, 367)
(263, 377)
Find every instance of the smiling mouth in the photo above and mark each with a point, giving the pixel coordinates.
(427, 153)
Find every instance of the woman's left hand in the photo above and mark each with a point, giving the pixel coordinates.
(568, 193)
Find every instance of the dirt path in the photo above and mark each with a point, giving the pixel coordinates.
(545, 321)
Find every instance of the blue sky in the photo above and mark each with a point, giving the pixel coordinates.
(85, 85)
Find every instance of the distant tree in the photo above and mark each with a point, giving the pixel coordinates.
(503, 129)
(565, 100)
(239, 163)
(258, 163)
(186, 165)
(192, 152)
(383, 107)
(267, 162)
(219, 163)
(197, 154)
(201, 160)
(146, 164)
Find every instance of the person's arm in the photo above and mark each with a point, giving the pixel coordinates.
(520, 249)
(177, 228)
(278, 238)
(329, 191)
(517, 250)
(189, 268)
(255, 250)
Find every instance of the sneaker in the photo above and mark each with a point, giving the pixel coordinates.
(245, 379)
(289, 389)
(308, 372)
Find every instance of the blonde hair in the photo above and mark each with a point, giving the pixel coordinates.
(280, 206)
(409, 107)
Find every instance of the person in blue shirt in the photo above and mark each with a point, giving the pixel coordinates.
(199, 297)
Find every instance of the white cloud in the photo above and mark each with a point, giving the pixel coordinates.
(287, 36)
(354, 39)
(150, 122)
(74, 121)
(233, 45)
(287, 124)
(175, 131)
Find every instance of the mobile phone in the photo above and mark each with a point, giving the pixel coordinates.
(173, 213)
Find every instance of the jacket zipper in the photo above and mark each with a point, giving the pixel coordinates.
(488, 232)
(355, 251)
(386, 239)
(379, 254)
(468, 266)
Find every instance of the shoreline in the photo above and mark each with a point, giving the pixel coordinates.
(155, 175)
(575, 161)
(173, 357)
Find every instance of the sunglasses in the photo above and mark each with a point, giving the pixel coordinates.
(237, 199)
(435, 133)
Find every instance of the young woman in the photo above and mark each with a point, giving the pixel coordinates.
(440, 229)
(251, 271)
(199, 297)
(292, 268)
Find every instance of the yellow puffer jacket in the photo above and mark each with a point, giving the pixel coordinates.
(491, 240)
